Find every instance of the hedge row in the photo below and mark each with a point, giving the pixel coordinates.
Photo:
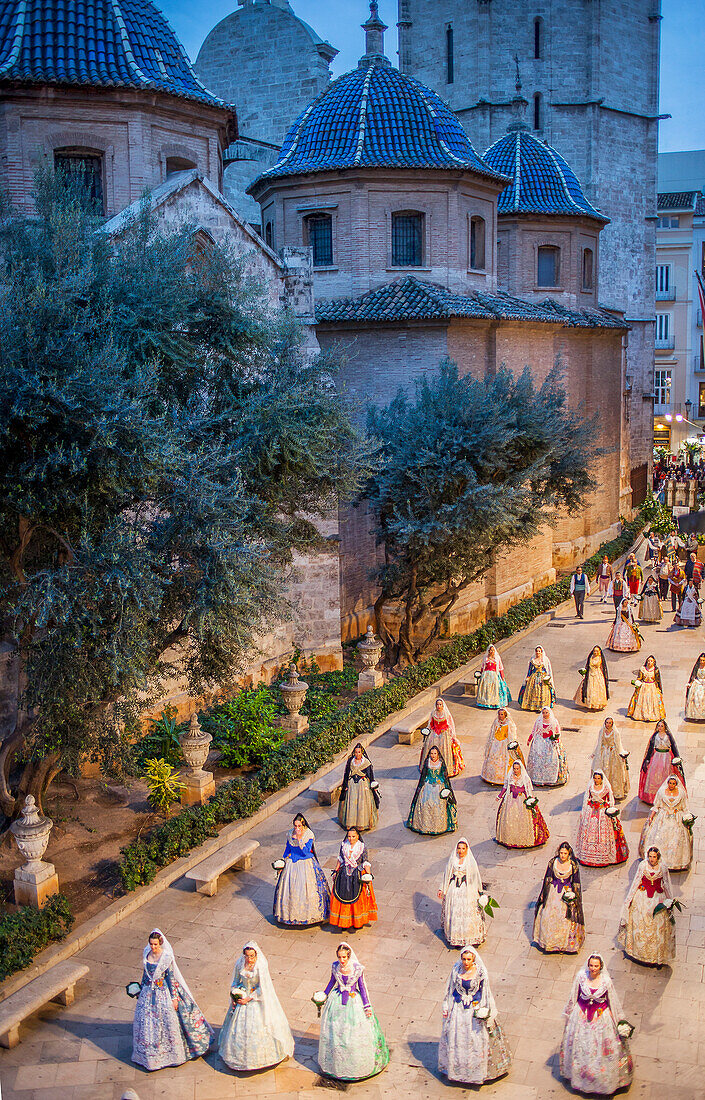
(24, 933)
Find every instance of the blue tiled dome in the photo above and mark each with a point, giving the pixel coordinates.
(104, 43)
(540, 180)
(376, 117)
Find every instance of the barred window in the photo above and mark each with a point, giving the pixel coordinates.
(85, 170)
(319, 230)
(407, 239)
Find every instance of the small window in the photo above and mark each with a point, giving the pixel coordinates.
(178, 164)
(319, 230)
(537, 111)
(662, 387)
(407, 239)
(268, 234)
(588, 264)
(537, 38)
(449, 54)
(663, 278)
(548, 266)
(477, 243)
(663, 326)
(85, 170)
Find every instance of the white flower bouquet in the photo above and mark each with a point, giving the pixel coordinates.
(446, 792)
(531, 802)
(374, 785)
(569, 896)
(319, 999)
(689, 820)
(482, 1013)
(236, 995)
(278, 865)
(625, 1030)
(487, 904)
(612, 811)
(677, 762)
(668, 906)
(624, 755)
(425, 732)
(367, 877)
(638, 683)
(133, 989)
(513, 746)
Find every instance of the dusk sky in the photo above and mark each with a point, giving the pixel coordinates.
(338, 21)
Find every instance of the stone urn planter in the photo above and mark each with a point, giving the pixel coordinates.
(370, 651)
(36, 880)
(294, 695)
(199, 785)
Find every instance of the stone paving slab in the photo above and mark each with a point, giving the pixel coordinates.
(83, 1052)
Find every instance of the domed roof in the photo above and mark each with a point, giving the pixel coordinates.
(540, 180)
(376, 117)
(103, 43)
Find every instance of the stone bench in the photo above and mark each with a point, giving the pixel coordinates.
(56, 985)
(469, 685)
(238, 853)
(408, 730)
(327, 790)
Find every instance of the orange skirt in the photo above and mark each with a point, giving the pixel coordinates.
(354, 914)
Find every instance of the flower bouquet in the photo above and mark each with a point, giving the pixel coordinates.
(367, 877)
(374, 785)
(637, 683)
(689, 820)
(569, 896)
(554, 736)
(582, 672)
(513, 746)
(278, 865)
(625, 1030)
(319, 999)
(624, 755)
(133, 989)
(482, 1013)
(446, 792)
(677, 762)
(531, 802)
(612, 811)
(487, 904)
(668, 906)
(236, 995)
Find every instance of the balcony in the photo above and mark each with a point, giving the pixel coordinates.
(661, 409)
(665, 343)
(668, 295)
(698, 365)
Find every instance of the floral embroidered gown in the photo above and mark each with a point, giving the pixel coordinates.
(593, 690)
(658, 764)
(610, 758)
(353, 903)
(546, 762)
(472, 1048)
(646, 703)
(646, 936)
(689, 613)
(601, 841)
(624, 637)
(538, 689)
(351, 1046)
(593, 1056)
(162, 1035)
(492, 690)
(301, 896)
(429, 813)
(650, 604)
(441, 734)
(256, 1034)
(664, 828)
(498, 755)
(695, 693)
(559, 924)
(519, 825)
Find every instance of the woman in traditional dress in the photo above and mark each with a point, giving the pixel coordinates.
(492, 690)
(546, 762)
(610, 758)
(502, 747)
(666, 827)
(538, 689)
(460, 889)
(658, 763)
(301, 896)
(353, 903)
(472, 1048)
(359, 800)
(646, 703)
(255, 1032)
(441, 733)
(649, 603)
(594, 1057)
(624, 637)
(695, 692)
(594, 689)
(351, 1046)
(433, 811)
(601, 841)
(169, 1027)
(646, 936)
(689, 612)
(559, 924)
(519, 825)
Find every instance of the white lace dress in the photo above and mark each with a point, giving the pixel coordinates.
(695, 697)
(593, 1056)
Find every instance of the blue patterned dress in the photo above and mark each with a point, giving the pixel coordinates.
(161, 1035)
(302, 895)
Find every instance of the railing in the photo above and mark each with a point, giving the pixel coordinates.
(665, 343)
(698, 364)
(668, 295)
(661, 408)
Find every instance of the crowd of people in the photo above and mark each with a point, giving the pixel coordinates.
(679, 470)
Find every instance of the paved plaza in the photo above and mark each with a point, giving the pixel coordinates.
(83, 1052)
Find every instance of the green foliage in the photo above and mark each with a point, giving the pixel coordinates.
(164, 785)
(657, 516)
(28, 931)
(162, 740)
(469, 467)
(166, 446)
(327, 691)
(243, 729)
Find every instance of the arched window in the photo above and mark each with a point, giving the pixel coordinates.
(538, 38)
(268, 234)
(548, 266)
(588, 263)
(178, 164)
(407, 239)
(318, 233)
(537, 111)
(449, 54)
(84, 168)
(477, 243)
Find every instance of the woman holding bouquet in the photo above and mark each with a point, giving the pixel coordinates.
(688, 614)
(559, 924)
(359, 800)
(502, 747)
(255, 1032)
(594, 1056)
(441, 733)
(695, 692)
(611, 759)
(649, 602)
(669, 826)
(351, 1046)
(353, 903)
(460, 890)
(594, 689)
(301, 896)
(546, 762)
(624, 637)
(433, 808)
(647, 930)
(520, 823)
(538, 689)
(472, 1048)
(661, 759)
(601, 841)
(492, 690)
(646, 703)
